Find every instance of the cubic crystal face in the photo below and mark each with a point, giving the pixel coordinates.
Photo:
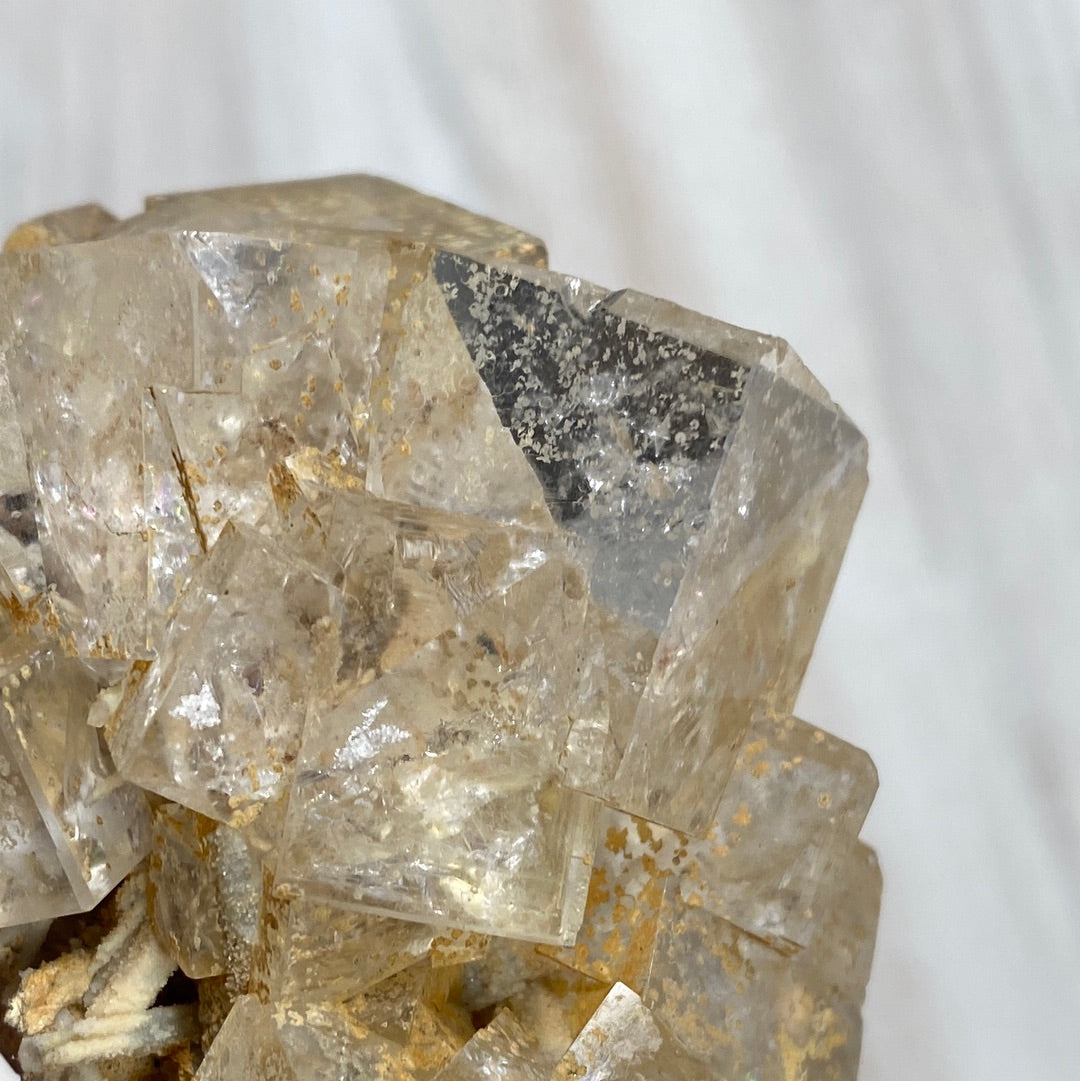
(462, 740)
(741, 1007)
(433, 621)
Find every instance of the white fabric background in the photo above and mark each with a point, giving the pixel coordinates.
(892, 187)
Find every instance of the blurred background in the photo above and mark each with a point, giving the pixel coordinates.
(896, 190)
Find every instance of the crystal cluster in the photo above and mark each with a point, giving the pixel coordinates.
(398, 649)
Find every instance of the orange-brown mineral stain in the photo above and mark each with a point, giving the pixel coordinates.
(23, 615)
(283, 486)
(28, 237)
(616, 840)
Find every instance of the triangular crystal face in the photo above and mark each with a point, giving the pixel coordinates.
(249, 1047)
(624, 1039)
(625, 427)
(437, 438)
(503, 1050)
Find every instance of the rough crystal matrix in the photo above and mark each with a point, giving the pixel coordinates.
(430, 624)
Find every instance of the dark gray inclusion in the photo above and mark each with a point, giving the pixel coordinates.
(545, 364)
(624, 425)
(17, 517)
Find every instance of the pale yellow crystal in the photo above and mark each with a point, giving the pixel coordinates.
(463, 740)
(633, 864)
(329, 514)
(215, 724)
(247, 1048)
(790, 813)
(184, 902)
(623, 1041)
(339, 207)
(739, 1005)
(73, 828)
(311, 950)
(501, 1051)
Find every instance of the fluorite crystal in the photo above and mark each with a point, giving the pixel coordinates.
(430, 624)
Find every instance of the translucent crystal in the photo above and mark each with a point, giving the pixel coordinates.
(69, 226)
(411, 573)
(311, 950)
(790, 812)
(81, 341)
(551, 1002)
(501, 1051)
(391, 1007)
(463, 740)
(33, 883)
(634, 861)
(739, 1005)
(341, 206)
(260, 1043)
(285, 340)
(184, 900)
(717, 495)
(440, 1024)
(624, 1042)
(216, 723)
(72, 828)
(842, 951)
(457, 947)
(247, 1048)
(437, 438)
(453, 611)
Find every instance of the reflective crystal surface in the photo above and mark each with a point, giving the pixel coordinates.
(216, 721)
(248, 1048)
(623, 1041)
(71, 828)
(502, 1051)
(432, 622)
(790, 813)
(462, 740)
(633, 863)
(185, 899)
(340, 207)
(716, 494)
(310, 949)
(740, 1006)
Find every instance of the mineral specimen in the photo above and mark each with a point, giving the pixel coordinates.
(412, 634)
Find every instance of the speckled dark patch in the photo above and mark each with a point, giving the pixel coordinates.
(566, 380)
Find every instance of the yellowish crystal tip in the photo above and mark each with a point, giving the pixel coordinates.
(398, 645)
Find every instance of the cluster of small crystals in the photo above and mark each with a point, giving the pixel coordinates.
(398, 644)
